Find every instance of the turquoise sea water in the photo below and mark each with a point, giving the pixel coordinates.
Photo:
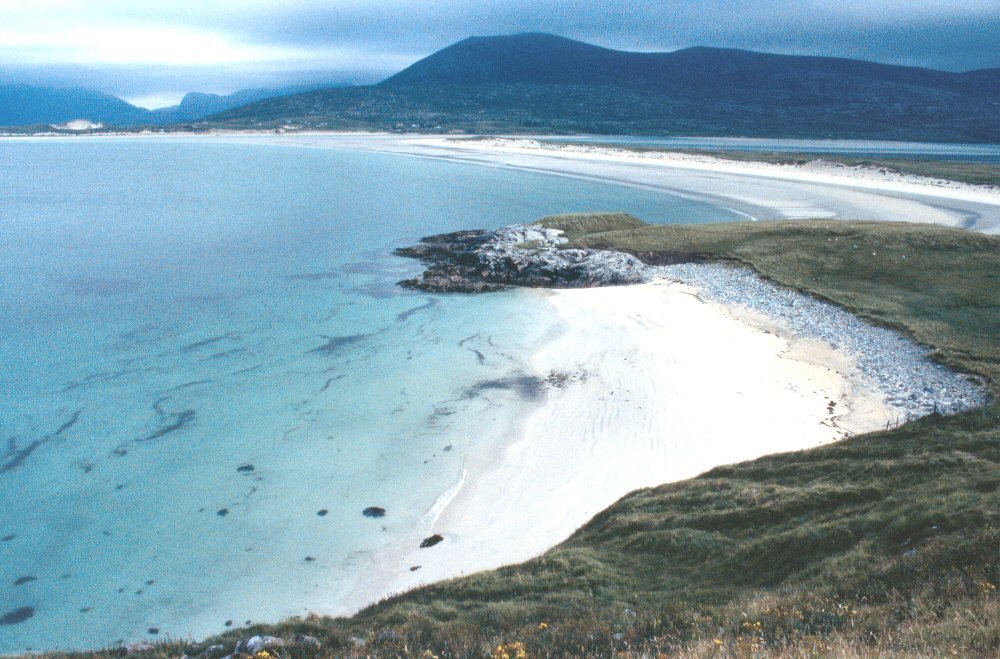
(208, 372)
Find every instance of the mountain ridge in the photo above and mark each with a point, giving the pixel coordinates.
(593, 63)
(544, 83)
(536, 82)
(29, 105)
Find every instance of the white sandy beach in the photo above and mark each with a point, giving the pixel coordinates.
(660, 386)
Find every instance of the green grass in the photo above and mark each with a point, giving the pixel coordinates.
(886, 544)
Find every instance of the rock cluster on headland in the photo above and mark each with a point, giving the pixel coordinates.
(479, 261)
(534, 256)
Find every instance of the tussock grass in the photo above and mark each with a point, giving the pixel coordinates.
(882, 545)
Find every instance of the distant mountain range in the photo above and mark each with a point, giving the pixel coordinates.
(541, 82)
(28, 105)
(546, 83)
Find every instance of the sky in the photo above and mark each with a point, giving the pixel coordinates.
(151, 52)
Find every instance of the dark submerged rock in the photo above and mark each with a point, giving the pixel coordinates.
(335, 344)
(481, 261)
(373, 511)
(431, 541)
(17, 615)
(527, 387)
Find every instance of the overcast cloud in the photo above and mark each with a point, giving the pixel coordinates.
(153, 51)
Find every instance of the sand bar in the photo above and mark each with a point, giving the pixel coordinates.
(760, 191)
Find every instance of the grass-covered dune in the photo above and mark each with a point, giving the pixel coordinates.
(884, 544)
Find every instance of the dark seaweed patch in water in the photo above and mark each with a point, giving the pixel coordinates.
(210, 341)
(193, 383)
(97, 378)
(17, 615)
(69, 424)
(528, 387)
(169, 421)
(226, 353)
(313, 276)
(180, 419)
(331, 381)
(14, 456)
(380, 290)
(409, 312)
(335, 344)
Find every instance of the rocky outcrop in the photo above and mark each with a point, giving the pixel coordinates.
(520, 255)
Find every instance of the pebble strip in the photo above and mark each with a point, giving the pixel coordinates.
(896, 365)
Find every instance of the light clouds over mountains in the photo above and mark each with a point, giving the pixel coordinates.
(157, 50)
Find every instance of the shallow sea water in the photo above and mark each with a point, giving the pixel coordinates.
(208, 372)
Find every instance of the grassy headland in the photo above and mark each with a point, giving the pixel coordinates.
(884, 544)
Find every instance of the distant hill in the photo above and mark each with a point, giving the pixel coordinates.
(22, 105)
(540, 82)
(548, 59)
(195, 105)
(27, 105)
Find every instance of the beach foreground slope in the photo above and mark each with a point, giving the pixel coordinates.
(885, 543)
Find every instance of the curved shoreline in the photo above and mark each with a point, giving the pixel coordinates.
(674, 371)
(755, 189)
(659, 385)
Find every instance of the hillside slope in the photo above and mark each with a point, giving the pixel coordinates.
(22, 105)
(538, 82)
(27, 105)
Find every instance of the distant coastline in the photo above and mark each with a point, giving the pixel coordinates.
(755, 188)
